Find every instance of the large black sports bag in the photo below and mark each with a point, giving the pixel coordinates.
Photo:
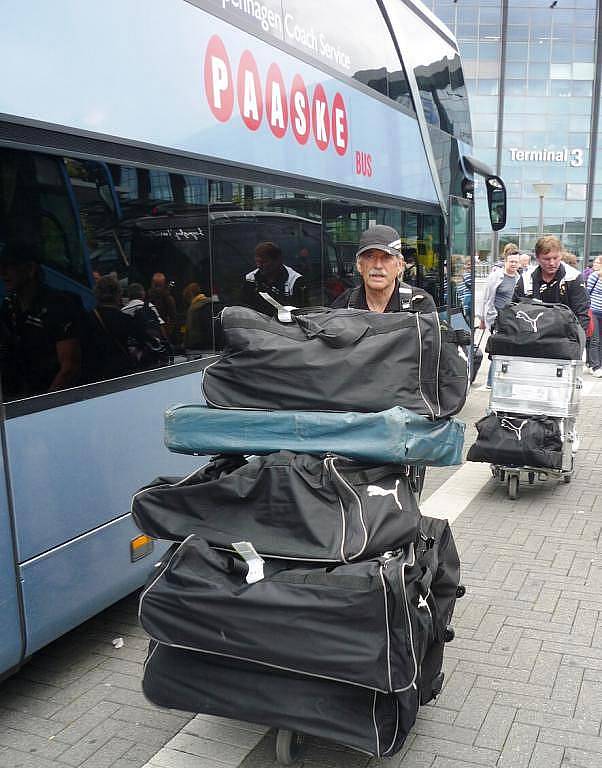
(438, 558)
(360, 718)
(288, 505)
(365, 623)
(338, 360)
(530, 328)
(518, 441)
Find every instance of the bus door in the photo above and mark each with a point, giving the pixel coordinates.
(11, 626)
(459, 277)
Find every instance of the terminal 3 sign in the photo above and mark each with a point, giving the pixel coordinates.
(572, 157)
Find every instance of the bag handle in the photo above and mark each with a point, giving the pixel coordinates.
(335, 334)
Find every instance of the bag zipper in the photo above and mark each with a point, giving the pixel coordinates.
(329, 463)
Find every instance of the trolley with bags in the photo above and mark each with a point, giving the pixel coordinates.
(303, 579)
(529, 431)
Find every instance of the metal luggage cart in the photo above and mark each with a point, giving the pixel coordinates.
(529, 386)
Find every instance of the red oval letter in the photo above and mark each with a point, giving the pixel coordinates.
(340, 127)
(249, 92)
(320, 117)
(275, 102)
(299, 110)
(219, 88)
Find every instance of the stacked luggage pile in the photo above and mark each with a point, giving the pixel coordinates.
(537, 352)
(304, 589)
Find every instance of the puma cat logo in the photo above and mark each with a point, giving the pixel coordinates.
(531, 320)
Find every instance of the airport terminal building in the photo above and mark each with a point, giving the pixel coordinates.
(533, 70)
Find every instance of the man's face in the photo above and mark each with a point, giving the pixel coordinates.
(269, 267)
(379, 269)
(512, 264)
(523, 260)
(549, 263)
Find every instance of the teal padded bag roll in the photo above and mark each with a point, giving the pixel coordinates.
(395, 436)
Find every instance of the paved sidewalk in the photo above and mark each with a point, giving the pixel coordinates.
(524, 674)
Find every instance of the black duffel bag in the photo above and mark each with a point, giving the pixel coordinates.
(356, 717)
(339, 360)
(366, 623)
(530, 328)
(518, 441)
(289, 505)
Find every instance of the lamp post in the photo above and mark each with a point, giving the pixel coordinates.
(541, 188)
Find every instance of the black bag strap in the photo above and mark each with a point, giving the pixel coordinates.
(337, 335)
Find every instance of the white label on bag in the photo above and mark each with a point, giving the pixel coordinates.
(530, 393)
(249, 554)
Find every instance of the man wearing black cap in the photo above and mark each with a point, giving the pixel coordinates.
(380, 264)
(39, 328)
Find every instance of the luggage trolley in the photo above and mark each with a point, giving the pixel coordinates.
(528, 386)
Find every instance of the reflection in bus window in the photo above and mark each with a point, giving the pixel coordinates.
(244, 216)
(351, 38)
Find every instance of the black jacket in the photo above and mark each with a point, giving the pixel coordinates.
(567, 288)
(403, 297)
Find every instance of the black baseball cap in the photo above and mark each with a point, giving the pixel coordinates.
(380, 237)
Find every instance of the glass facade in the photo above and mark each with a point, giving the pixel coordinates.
(530, 73)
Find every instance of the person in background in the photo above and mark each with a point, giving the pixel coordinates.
(137, 301)
(569, 258)
(160, 295)
(40, 328)
(271, 276)
(113, 339)
(499, 291)
(553, 281)
(594, 289)
(381, 266)
(198, 332)
(589, 269)
(510, 249)
(524, 262)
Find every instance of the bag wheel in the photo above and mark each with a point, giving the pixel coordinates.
(531, 478)
(566, 478)
(513, 487)
(290, 746)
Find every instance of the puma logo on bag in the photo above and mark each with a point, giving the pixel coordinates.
(531, 320)
(376, 490)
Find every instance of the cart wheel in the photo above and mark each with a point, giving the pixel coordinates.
(566, 478)
(502, 475)
(290, 747)
(513, 487)
(531, 478)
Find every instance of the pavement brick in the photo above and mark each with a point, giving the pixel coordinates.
(475, 708)
(546, 756)
(577, 758)
(519, 746)
(456, 751)
(106, 756)
(495, 728)
(546, 668)
(85, 721)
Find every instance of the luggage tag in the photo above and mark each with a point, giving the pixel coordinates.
(255, 563)
(284, 313)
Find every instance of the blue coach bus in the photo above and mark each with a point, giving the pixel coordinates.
(160, 142)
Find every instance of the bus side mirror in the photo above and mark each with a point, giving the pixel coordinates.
(496, 201)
